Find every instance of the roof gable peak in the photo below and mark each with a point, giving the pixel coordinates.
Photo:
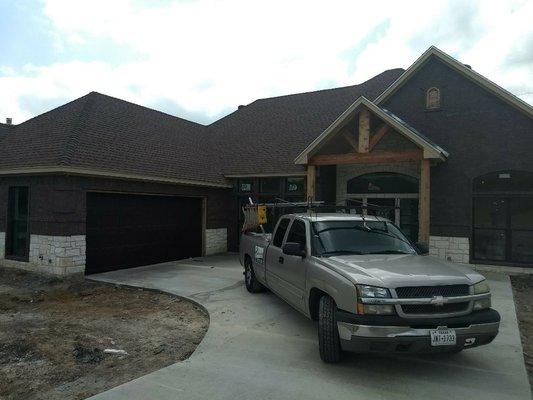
(461, 68)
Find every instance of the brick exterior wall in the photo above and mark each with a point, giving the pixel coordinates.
(216, 241)
(456, 249)
(481, 132)
(58, 210)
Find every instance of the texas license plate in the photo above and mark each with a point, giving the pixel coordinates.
(443, 337)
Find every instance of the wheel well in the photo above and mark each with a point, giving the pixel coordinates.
(314, 299)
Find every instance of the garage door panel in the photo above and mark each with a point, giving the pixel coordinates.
(132, 230)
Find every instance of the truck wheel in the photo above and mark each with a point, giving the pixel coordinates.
(328, 333)
(251, 282)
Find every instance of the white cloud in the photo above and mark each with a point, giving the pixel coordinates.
(209, 56)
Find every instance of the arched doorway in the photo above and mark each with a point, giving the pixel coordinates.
(387, 194)
(503, 217)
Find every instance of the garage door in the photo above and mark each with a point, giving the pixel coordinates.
(126, 230)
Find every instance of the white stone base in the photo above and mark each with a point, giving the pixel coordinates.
(456, 249)
(216, 241)
(56, 255)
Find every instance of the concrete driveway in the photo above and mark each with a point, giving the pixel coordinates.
(257, 347)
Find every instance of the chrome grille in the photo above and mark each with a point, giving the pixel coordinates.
(432, 309)
(410, 292)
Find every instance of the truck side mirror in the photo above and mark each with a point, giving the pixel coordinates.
(293, 249)
(422, 247)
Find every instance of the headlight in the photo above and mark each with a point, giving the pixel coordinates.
(373, 291)
(481, 287)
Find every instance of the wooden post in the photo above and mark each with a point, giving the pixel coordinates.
(364, 130)
(423, 202)
(311, 177)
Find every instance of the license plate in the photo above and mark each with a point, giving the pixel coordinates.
(443, 337)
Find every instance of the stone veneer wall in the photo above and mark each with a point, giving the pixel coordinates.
(56, 255)
(455, 249)
(345, 172)
(216, 241)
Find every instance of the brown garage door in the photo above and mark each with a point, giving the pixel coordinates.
(126, 230)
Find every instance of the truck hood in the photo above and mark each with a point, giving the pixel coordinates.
(398, 270)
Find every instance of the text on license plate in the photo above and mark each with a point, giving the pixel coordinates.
(443, 337)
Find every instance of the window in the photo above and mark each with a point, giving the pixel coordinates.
(17, 238)
(382, 182)
(295, 185)
(433, 98)
(245, 185)
(297, 233)
(270, 185)
(280, 232)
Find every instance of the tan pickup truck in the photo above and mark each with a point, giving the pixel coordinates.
(368, 286)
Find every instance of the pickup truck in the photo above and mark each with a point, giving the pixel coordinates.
(369, 287)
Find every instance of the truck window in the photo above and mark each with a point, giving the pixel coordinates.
(280, 232)
(297, 233)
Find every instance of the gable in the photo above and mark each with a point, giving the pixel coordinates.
(378, 122)
(467, 72)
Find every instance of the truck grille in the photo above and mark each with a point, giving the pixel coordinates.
(431, 309)
(410, 292)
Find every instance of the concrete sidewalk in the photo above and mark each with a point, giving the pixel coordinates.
(257, 347)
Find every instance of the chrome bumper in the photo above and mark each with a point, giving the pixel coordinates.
(347, 330)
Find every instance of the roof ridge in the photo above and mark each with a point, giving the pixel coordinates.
(145, 107)
(73, 140)
(328, 89)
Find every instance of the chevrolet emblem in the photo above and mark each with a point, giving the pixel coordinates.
(438, 301)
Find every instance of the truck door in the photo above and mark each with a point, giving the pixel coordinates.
(275, 260)
(294, 272)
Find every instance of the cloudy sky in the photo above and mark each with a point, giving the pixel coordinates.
(201, 59)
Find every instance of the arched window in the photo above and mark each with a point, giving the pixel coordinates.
(382, 182)
(433, 98)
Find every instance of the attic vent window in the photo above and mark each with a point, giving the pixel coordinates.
(433, 98)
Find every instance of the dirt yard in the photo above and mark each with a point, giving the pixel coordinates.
(54, 335)
(523, 293)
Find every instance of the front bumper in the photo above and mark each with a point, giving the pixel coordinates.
(375, 333)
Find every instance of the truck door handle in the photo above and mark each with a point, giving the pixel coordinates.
(280, 260)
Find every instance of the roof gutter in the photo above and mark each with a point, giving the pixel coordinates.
(107, 174)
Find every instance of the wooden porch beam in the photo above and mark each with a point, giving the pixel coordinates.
(364, 130)
(423, 202)
(350, 139)
(380, 134)
(374, 157)
(311, 178)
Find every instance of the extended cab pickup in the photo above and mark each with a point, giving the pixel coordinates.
(368, 286)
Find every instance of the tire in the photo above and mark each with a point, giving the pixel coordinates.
(328, 333)
(251, 282)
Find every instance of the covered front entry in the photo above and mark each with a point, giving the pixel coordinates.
(127, 230)
(389, 195)
(366, 137)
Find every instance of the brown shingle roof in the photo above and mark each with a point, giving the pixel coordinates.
(101, 133)
(266, 136)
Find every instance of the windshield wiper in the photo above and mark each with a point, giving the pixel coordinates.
(389, 252)
(342, 252)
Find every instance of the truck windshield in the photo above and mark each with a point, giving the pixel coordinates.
(358, 237)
